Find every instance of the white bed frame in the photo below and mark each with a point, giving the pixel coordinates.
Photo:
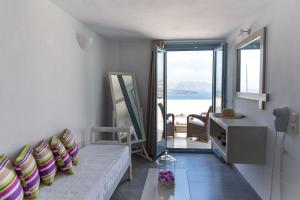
(112, 130)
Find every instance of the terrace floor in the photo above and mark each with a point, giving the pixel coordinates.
(181, 141)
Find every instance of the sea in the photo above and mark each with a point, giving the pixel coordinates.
(190, 96)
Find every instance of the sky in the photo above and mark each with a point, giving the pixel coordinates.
(189, 66)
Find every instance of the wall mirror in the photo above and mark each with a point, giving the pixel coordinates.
(251, 60)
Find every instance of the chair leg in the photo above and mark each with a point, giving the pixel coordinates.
(130, 172)
(146, 153)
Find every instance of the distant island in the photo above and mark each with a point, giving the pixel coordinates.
(186, 94)
(189, 90)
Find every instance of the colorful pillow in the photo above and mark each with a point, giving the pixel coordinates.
(69, 142)
(63, 160)
(45, 162)
(10, 186)
(28, 173)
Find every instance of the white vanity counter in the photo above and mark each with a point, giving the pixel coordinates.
(245, 140)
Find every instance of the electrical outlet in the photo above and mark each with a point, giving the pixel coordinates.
(294, 123)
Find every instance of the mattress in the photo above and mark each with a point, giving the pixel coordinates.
(99, 169)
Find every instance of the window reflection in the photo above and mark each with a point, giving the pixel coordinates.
(250, 67)
(160, 96)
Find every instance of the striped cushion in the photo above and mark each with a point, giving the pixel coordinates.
(69, 142)
(10, 186)
(63, 160)
(28, 173)
(46, 162)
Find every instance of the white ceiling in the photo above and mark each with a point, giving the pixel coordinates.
(163, 19)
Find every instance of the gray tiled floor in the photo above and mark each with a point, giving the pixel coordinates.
(209, 179)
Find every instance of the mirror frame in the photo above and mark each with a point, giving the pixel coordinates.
(261, 97)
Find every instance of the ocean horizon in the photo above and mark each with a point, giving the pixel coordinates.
(197, 96)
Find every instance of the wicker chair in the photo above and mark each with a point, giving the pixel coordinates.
(197, 125)
(170, 123)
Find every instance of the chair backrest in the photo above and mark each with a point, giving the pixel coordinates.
(161, 107)
(207, 114)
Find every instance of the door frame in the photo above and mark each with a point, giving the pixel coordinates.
(200, 45)
(162, 146)
(223, 47)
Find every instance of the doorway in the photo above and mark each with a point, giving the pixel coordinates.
(189, 84)
(189, 93)
(195, 86)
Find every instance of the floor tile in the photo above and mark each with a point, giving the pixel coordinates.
(209, 179)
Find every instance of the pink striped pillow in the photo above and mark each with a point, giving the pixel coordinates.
(28, 173)
(70, 143)
(63, 160)
(46, 162)
(10, 186)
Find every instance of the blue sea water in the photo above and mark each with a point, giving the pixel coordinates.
(202, 95)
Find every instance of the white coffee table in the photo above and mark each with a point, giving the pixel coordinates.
(154, 191)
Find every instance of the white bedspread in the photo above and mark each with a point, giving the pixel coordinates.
(99, 168)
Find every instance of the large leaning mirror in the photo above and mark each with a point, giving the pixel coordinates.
(126, 104)
(251, 54)
(127, 111)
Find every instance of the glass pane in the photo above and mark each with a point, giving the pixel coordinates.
(219, 74)
(189, 83)
(250, 67)
(160, 95)
(128, 81)
(126, 104)
(122, 115)
(116, 88)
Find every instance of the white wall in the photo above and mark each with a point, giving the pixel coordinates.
(282, 83)
(133, 56)
(47, 82)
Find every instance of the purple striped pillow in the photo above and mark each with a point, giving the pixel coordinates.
(63, 160)
(10, 186)
(70, 143)
(46, 162)
(28, 173)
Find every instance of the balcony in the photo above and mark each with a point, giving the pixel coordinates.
(181, 108)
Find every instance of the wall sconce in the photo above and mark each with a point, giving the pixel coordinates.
(245, 31)
(84, 41)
